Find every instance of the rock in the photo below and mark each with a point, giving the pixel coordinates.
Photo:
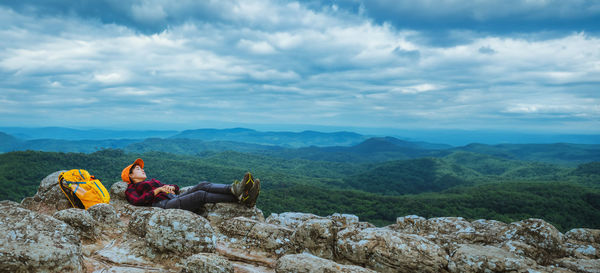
(290, 219)
(583, 243)
(184, 189)
(486, 231)
(581, 265)
(519, 248)
(217, 213)
(316, 236)
(106, 218)
(252, 234)
(49, 197)
(385, 250)
(34, 242)
(582, 250)
(545, 238)
(343, 221)
(127, 254)
(478, 258)
(450, 225)
(307, 263)
(584, 235)
(411, 224)
(139, 219)
(448, 232)
(180, 232)
(117, 190)
(207, 263)
(80, 220)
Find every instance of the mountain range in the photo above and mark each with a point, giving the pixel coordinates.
(308, 145)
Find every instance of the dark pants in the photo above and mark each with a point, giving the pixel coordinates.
(199, 195)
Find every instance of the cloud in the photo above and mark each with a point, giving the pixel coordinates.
(189, 62)
(493, 16)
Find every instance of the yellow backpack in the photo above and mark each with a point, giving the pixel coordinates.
(82, 189)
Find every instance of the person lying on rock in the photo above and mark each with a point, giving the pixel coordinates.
(142, 192)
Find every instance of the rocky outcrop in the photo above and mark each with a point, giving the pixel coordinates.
(205, 262)
(49, 197)
(538, 240)
(385, 250)
(43, 234)
(479, 258)
(81, 221)
(179, 232)
(33, 242)
(306, 263)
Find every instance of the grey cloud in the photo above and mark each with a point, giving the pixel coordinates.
(340, 68)
(486, 50)
(492, 15)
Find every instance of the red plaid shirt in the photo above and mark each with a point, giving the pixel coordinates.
(142, 193)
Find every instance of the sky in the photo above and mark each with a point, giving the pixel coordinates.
(527, 66)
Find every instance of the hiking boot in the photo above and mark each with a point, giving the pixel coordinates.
(252, 194)
(240, 189)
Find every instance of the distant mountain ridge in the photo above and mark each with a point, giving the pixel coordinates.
(286, 139)
(307, 145)
(77, 134)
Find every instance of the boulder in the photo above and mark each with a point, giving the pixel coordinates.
(251, 234)
(582, 251)
(518, 248)
(583, 243)
(217, 213)
(316, 236)
(486, 231)
(34, 242)
(410, 224)
(207, 263)
(580, 265)
(49, 197)
(343, 221)
(448, 232)
(584, 235)
(385, 250)
(139, 219)
(117, 190)
(546, 240)
(179, 232)
(290, 219)
(106, 217)
(307, 263)
(478, 258)
(80, 220)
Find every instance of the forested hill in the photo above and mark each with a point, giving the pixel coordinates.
(376, 178)
(458, 184)
(369, 150)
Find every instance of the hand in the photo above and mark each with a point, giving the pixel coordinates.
(166, 189)
(170, 189)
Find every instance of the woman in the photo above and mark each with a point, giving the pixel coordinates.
(142, 192)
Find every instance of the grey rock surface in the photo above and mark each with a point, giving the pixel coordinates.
(34, 242)
(307, 263)
(80, 220)
(180, 232)
(207, 263)
(385, 250)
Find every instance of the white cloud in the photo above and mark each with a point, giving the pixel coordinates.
(260, 47)
(414, 89)
(288, 60)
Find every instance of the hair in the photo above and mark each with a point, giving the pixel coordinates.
(132, 167)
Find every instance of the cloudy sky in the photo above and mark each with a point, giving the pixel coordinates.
(530, 65)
